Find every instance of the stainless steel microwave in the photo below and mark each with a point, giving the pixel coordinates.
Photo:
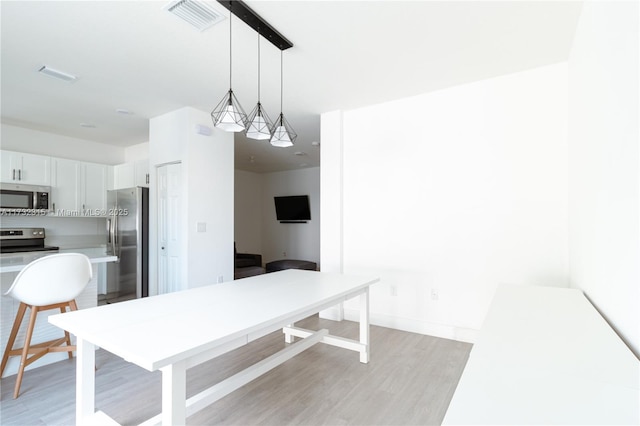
(24, 198)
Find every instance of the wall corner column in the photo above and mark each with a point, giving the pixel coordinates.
(331, 200)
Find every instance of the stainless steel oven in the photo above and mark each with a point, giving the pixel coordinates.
(18, 240)
(20, 198)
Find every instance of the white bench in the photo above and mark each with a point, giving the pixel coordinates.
(545, 356)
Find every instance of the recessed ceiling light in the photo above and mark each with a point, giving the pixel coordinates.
(123, 111)
(299, 153)
(88, 125)
(315, 143)
(70, 78)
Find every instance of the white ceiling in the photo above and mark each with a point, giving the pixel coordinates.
(346, 54)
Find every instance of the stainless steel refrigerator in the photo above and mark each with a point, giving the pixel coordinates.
(128, 238)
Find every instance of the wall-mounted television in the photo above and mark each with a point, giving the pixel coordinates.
(292, 209)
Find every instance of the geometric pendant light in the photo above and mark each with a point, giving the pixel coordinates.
(258, 123)
(282, 132)
(228, 115)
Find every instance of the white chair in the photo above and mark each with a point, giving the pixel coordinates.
(51, 282)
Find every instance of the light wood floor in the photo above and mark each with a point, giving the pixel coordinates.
(410, 380)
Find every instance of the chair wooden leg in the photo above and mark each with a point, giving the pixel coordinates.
(67, 338)
(12, 336)
(38, 350)
(72, 307)
(25, 350)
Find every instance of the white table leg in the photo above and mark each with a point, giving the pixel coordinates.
(174, 394)
(85, 380)
(288, 337)
(364, 326)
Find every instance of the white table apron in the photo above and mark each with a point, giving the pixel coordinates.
(283, 298)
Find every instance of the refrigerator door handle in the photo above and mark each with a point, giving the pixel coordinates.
(109, 232)
(112, 235)
(116, 248)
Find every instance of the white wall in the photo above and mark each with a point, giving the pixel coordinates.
(36, 142)
(604, 171)
(136, 152)
(209, 180)
(291, 240)
(208, 184)
(248, 212)
(454, 192)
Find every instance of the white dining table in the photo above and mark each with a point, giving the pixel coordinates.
(176, 331)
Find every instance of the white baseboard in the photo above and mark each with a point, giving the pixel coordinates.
(335, 313)
(460, 334)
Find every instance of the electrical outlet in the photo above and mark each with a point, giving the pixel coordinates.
(284, 254)
(434, 294)
(393, 289)
(220, 279)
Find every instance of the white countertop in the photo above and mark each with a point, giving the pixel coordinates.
(14, 262)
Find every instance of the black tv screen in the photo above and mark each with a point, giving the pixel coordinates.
(293, 208)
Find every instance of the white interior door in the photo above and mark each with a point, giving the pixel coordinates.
(169, 256)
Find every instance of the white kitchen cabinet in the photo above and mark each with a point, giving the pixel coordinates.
(65, 188)
(142, 173)
(94, 186)
(79, 188)
(132, 174)
(124, 175)
(28, 169)
(110, 178)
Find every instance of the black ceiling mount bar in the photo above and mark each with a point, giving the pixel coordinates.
(252, 19)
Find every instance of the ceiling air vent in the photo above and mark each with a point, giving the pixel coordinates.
(197, 13)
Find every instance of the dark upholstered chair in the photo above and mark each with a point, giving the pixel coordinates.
(247, 264)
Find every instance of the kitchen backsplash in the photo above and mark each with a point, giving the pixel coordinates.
(64, 232)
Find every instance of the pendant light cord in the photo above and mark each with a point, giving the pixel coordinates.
(230, 16)
(258, 64)
(281, 80)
